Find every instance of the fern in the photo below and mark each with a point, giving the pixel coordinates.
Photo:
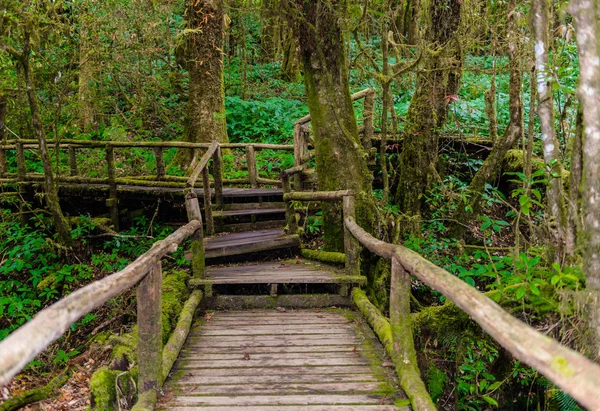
(436, 380)
(559, 400)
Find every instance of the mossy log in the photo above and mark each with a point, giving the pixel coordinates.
(568, 369)
(202, 164)
(318, 195)
(408, 374)
(37, 394)
(173, 347)
(324, 256)
(146, 401)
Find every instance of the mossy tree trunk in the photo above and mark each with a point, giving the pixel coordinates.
(290, 66)
(585, 13)
(88, 64)
(270, 30)
(493, 163)
(62, 225)
(340, 158)
(437, 84)
(545, 110)
(202, 55)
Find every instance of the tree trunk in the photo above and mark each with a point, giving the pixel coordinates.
(62, 224)
(585, 13)
(3, 110)
(202, 55)
(290, 67)
(340, 158)
(87, 72)
(269, 32)
(574, 221)
(554, 194)
(493, 163)
(437, 83)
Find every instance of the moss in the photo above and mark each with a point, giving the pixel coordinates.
(102, 390)
(198, 261)
(324, 256)
(175, 292)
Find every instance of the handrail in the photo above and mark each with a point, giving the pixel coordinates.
(568, 369)
(300, 131)
(24, 344)
(65, 143)
(202, 164)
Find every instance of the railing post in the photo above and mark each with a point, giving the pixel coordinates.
(3, 164)
(351, 244)
(367, 137)
(251, 161)
(210, 226)
(160, 162)
(21, 168)
(149, 319)
(300, 146)
(193, 212)
(290, 214)
(72, 161)
(113, 199)
(217, 173)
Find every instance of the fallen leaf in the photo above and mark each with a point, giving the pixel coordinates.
(387, 364)
(280, 309)
(246, 356)
(317, 311)
(208, 316)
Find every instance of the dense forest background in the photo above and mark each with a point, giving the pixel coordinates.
(483, 169)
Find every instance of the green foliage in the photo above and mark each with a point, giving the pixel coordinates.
(475, 384)
(436, 381)
(268, 121)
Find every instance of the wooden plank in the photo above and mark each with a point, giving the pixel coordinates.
(272, 362)
(377, 407)
(273, 350)
(243, 400)
(274, 331)
(266, 379)
(257, 211)
(258, 341)
(269, 321)
(280, 279)
(198, 356)
(273, 371)
(251, 247)
(284, 388)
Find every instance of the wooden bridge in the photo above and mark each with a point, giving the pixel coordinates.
(287, 334)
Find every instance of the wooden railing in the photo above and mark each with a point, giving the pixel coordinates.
(302, 133)
(24, 344)
(566, 368)
(159, 180)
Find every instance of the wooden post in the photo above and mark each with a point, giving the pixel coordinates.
(113, 199)
(160, 162)
(351, 244)
(290, 214)
(193, 212)
(149, 319)
(72, 161)
(251, 161)
(217, 173)
(299, 151)
(210, 226)
(3, 164)
(21, 168)
(368, 124)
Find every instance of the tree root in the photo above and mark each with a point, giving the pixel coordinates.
(37, 394)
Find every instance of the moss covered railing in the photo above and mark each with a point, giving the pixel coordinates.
(154, 363)
(568, 369)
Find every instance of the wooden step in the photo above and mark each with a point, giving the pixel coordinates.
(286, 272)
(248, 242)
(249, 212)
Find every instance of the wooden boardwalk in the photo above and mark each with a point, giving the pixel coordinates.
(282, 360)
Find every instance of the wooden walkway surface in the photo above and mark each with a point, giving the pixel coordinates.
(248, 242)
(282, 360)
(278, 272)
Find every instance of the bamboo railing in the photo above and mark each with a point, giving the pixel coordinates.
(24, 344)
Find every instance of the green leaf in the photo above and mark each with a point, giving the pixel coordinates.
(495, 385)
(554, 280)
(490, 400)
(521, 292)
(534, 289)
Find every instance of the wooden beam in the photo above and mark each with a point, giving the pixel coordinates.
(21, 167)
(203, 162)
(149, 320)
(251, 163)
(3, 164)
(317, 195)
(72, 161)
(210, 225)
(52, 322)
(160, 162)
(113, 193)
(568, 369)
(217, 172)
(351, 244)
